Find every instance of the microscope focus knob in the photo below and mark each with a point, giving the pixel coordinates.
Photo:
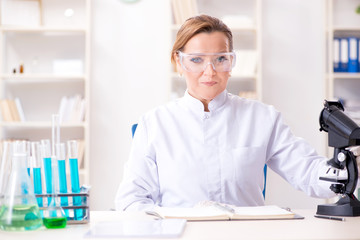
(341, 157)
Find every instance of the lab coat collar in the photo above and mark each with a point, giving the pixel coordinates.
(196, 105)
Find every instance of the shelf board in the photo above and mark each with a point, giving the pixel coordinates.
(44, 124)
(346, 28)
(42, 29)
(346, 75)
(176, 27)
(36, 78)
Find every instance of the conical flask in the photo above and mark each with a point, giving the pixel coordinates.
(19, 210)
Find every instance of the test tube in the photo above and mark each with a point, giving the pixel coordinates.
(46, 156)
(36, 162)
(5, 167)
(74, 175)
(60, 153)
(26, 148)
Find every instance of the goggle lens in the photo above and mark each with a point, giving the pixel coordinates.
(220, 62)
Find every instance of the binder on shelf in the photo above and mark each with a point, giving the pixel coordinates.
(353, 46)
(344, 56)
(336, 54)
(358, 41)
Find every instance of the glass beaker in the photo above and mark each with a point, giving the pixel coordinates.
(19, 211)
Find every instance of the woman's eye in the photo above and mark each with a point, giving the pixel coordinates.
(196, 60)
(221, 59)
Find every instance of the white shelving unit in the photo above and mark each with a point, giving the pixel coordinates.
(61, 33)
(244, 19)
(341, 21)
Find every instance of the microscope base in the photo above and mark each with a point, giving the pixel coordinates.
(346, 206)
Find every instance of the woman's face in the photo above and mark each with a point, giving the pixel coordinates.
(206, 85)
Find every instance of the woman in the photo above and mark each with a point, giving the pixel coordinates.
(210, 144)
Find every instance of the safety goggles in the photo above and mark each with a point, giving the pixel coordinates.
(197, 62)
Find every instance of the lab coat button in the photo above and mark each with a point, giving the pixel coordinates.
(206, 116)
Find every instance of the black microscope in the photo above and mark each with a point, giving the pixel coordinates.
(342, 134)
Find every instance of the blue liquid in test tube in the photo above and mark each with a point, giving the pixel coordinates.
(48, 177)
(60, 152)
(46, 155)
(35, 161)
(74, 174)
(75, 186)
(37, 184)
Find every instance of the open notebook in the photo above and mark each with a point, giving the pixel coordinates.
(223, 212)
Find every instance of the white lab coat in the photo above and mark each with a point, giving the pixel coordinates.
(182, 155)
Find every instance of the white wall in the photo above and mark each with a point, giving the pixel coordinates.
(130, 46)
(130, 40)
(293, 79)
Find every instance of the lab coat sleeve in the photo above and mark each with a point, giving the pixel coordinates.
(296, 161)
(139, 188)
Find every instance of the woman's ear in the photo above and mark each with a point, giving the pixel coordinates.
(178, 66)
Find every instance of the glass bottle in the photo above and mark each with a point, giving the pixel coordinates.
(19, 210)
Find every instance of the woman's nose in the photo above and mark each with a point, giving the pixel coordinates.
(209, 70)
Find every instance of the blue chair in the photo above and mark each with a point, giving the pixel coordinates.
(133, 129)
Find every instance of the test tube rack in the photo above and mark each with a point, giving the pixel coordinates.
(71, 208)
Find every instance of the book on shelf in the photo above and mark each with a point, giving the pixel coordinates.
(11, 110)
(219, 211)
(72, 109)
(183, 9)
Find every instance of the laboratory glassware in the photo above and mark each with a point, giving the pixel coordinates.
(36, 166)
(54, 215)
(74, 176)
(61, 156)
(19, 211)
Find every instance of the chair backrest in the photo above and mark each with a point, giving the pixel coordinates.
(133, 129)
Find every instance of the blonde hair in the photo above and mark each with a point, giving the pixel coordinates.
(195, 25)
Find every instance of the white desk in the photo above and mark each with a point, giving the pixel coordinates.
(309, 228)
